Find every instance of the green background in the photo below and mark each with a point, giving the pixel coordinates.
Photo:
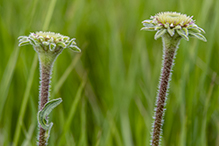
(109, 90)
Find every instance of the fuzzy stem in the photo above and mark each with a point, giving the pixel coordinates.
(46, 62)
(170, 45)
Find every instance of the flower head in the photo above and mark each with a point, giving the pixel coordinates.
(173, 23)
(49, 42)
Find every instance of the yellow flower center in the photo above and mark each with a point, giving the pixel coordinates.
(173, 18)
(49, 35)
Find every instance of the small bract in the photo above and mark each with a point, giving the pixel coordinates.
(173, 23)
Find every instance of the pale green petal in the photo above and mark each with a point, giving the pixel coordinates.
(177, 27)
(158, 27)
(24, 43)
(23, 39)
(52, 46)
(33, 42)
(199, 36)
(148, 28)
(185, 30)
(166, 25)
(71, 41)
(65, 38)
(147, 21)
(45, 43)
(160, 33)
(62, 44)
(171, 31)
(194, 30)
(148, 25)
(74, 48)
(182, 34)
(201, 29)
(41, 38)
(51, 40)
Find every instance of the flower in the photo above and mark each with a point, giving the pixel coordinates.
(173, 23)
(49, 42)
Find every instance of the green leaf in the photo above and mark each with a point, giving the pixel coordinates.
(166, 25)
(72, 41)
(23, 39)
(201, 29)
(147, 21)
(177, 27)
(41, 117)
(185, 30)
(61, 44)
(33, 42)
(52, 46)
(41, 38)
(182, 34)
(171, 31)
(158, 27)
(160, 33)
(148, 28)
(24, 43)
(45, 43)
(75, 48)
(194, 30)
(148, 25)
(195, 26)
(199, 36)
(65, 38)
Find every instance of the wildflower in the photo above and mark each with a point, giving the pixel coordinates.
(173, 23)
(172, 27)
(49, 42)
(48, 45)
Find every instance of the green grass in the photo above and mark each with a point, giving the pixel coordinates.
(109, 90)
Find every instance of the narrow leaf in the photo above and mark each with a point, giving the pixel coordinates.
(194, 30)
(45, 43)
(147, 21)
(148, 28)
(171, 31)
(75, 48)
(199, 36)
(185, 30)
(52, 46)
(62, 44)
(158, 27)
(66, 38)
(41, 117)
(71, 41)
(177, 27)
(201, 29)
(24, 43)
(148, 25)
(182, 34)
(159, 33)
(23, 39)
(33, 42)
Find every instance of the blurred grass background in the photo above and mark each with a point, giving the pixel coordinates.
(108, 90)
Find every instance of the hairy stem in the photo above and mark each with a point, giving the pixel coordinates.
(170, 47)
(46, 63)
